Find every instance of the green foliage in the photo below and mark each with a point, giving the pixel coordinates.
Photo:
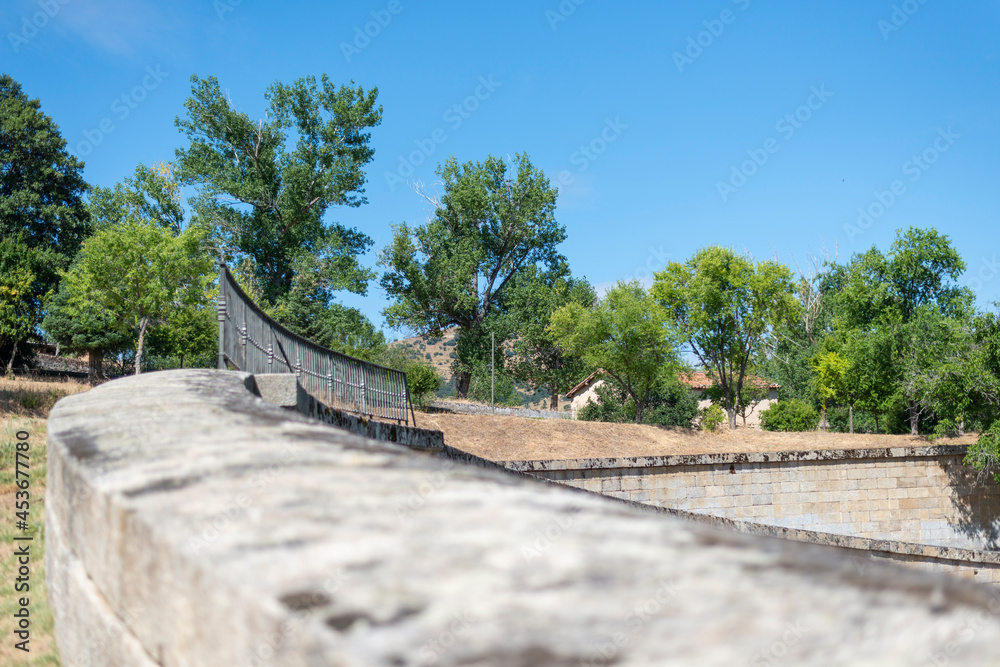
(151, 193)
(140, 273)
(627, 334)
(188, 337)
(726, 308)
(504, 393)
(985, 454)
(266, 185)
(494, 219)
(536, 359)
(712, 417)
(793, 415)
(421, 377)
(20, 306)
(42, 216)
(670, 404)
(909, 303)
(88, 327)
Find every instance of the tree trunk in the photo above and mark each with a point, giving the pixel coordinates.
(10, 364)
(95, 365)
(731, 412)
(876, 424)
(143, 323)
(554, 400)
(961, 427)
(914, 417)
(850, 413)
(462, 384)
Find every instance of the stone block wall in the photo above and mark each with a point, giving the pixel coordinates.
(190, 523)
(916, 494)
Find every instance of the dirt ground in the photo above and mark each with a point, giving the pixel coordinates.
(519, 439)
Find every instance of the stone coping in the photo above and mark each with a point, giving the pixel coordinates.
(738, 458)
(191, 523)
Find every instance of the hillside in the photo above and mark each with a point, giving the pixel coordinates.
(441, 353)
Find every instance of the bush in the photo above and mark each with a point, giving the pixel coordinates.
(712, 418)
(505, 393)
(422, 378)
(985, 454)
(793, 415)
(669, 405)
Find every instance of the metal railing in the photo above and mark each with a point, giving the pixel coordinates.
(252, 342)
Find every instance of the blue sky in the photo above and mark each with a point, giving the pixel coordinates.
(770, 127)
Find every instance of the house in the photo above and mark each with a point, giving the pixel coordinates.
(698, 383)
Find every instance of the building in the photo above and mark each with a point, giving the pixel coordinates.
(698, 384)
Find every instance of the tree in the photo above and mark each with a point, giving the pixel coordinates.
(141, 273)
(493, 220)
(831, 382)
(726, 308)
(669, 404)
(265, 198)
(189, 334)
(88, 327)
(41, 190)
(627, 334)
(902, 296)
(538, 360)
(20, 306)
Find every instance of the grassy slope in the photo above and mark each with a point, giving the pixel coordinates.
(24, 405)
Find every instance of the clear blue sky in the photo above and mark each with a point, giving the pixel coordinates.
(838, 102)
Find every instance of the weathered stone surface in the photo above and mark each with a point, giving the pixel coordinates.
(281, 389)
(223, 531)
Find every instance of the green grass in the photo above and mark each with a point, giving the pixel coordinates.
(42, 644)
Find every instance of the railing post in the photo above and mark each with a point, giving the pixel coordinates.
(221, 314)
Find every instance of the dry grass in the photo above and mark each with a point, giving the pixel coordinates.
(519, 439)
(24, 405)
(34, 398)
(42, 643)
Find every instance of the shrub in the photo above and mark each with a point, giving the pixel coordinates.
(793, 415)
(423, 381)
(712, 418)
(985, 454)
(669, 405)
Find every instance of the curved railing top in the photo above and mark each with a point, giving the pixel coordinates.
(251, 341)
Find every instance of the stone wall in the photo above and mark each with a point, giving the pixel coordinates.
(191, 523)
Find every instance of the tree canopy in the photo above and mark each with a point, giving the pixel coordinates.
(494, 219)
(265, 186)
(726, 308)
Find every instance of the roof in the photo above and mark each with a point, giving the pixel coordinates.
(583, 385)
(702, 381)
(697, 381)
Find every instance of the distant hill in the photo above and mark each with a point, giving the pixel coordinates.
(441, 353)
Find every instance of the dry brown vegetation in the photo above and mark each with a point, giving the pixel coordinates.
(34, 398)
(519, 439)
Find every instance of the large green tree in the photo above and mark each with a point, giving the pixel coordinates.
(41, 190)
(539, 361)
(911, 297)
(266, 186)
(726, 308)
(88, 327)
(141, 273)
(494, 219)
(628, 334)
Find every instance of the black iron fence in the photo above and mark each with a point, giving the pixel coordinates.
(252, 342)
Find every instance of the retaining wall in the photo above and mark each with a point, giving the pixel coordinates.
(188, 522)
